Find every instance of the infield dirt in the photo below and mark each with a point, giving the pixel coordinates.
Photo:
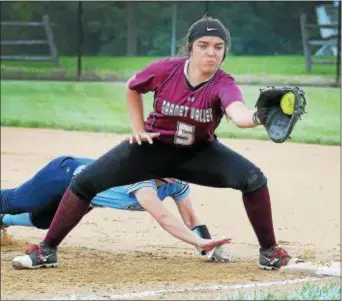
(114, 251)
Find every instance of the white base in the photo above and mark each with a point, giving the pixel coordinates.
(333, 269)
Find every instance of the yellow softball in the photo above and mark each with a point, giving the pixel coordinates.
(287, 103)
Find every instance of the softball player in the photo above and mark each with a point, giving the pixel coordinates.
(177, 140)
(34, 203)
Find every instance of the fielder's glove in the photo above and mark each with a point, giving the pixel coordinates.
(279, 125)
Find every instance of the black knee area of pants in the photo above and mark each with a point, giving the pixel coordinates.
(255, 181)
(42, 221)
(82, 189)
(42, 217)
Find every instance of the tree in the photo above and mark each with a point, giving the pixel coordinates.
(131, 29)
(144, 27)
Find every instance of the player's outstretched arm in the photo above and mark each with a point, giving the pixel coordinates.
(148, 198)
(191, 220)
(242, 116)
(187, 213)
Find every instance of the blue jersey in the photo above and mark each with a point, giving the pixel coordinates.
(123, 197)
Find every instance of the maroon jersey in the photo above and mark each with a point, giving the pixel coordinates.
(184, 114)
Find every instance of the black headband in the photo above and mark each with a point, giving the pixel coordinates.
(207, 28)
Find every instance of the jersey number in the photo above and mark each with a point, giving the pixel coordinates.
(185, 134)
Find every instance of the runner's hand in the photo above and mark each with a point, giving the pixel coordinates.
(209, 244)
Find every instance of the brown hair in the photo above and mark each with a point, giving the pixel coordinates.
(195, 31)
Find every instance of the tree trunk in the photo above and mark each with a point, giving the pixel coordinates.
(131, 49)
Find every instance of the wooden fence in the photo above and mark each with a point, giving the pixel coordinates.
(47, 25)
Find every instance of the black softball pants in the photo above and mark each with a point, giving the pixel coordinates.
(207, 164)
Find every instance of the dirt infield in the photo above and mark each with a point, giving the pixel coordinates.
(115, 252)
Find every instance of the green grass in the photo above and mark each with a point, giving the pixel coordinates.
(101, 106)
(123, 67)
(307, 292)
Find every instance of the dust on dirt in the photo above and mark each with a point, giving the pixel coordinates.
(118, 251)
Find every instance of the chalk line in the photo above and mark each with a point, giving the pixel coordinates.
(185, 290)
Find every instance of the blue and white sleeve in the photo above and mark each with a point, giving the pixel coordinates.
(182, 190)
(136, 186)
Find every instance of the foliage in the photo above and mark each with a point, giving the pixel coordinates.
(266, 27)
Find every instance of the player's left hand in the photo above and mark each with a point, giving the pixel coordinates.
(209, 244)
(218, 254)
(279, 109)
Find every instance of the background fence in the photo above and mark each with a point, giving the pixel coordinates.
(156, 29)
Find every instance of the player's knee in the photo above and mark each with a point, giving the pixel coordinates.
(255, 180)
(82, 188)
(41, 221)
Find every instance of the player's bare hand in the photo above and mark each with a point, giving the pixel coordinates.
(143, 136)
(209, 244)
(218, 254)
